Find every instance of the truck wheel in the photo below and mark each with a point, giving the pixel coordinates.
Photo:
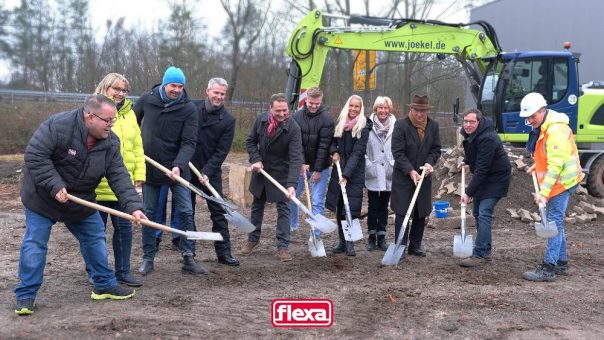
(595, 180)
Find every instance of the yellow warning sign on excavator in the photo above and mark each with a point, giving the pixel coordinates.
(338, 40)
(364, 63)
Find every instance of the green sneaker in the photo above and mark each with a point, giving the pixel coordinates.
(115, 293)
(25, 307)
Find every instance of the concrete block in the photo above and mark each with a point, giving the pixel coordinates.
(589, 208)
(239, 182)
(513, 213)
(451, 188)
(578, 210)
(570, 220)
(525, 215)
(520, 165)
(536, 217)
(581, 190)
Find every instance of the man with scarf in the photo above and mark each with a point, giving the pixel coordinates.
(415, 143)
(316, 127)
(169, 129)
(275, 145)
(214, 138)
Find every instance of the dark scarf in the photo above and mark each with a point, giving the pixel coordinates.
(419, 125)
(209, 110)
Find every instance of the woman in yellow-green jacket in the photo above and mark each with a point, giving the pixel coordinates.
(116, 86)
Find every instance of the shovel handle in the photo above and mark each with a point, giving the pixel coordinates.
(342, 186)
(307, 192)
(536, 185)
(410, 209)
(207, 183)
(123, 215)
(167, 172)
(463, 205)
(293, 198)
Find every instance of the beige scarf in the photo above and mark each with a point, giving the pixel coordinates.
(420, 125)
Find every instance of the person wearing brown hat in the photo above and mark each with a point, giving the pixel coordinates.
(415, 144)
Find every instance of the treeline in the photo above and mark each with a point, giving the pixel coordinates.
(50, 45)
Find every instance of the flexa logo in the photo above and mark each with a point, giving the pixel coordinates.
(302, 313)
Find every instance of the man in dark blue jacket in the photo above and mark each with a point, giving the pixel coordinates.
(491, 171)
(70, 153)
(169, 129)
(214, 139)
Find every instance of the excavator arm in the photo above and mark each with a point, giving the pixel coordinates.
(310, 42)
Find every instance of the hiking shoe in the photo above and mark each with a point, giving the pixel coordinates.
(561, 268)
(114, 293)
(25, 307)
(129, 280)
(474, 261)
(543, 273)
(284, 255)
(248, 246)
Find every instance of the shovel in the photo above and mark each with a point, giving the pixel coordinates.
(188, 185)
(462, 244)
(315, 244)
(317, 221)
(191, 235)
(395, 250)
(544, 228)
(233, 216)
(352, 228)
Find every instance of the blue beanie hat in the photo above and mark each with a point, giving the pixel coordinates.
(173, 75)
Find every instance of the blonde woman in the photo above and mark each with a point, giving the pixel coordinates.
(348, 146)
(116, 86)
(379, 165)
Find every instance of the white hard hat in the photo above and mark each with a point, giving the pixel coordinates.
(531, 103)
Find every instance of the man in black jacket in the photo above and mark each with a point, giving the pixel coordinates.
(214, 139)
(274, 144)
(491, 171)
(70, 153)
(316, 127)
(169, 129)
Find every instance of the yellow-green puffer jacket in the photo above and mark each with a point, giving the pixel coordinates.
(131, 148)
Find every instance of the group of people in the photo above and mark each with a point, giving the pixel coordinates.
(97, 152)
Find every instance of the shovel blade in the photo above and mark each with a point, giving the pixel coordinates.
(202, 235)
(352, 232)
(462, 246)
(239, 221)
(393, 254)
(548, 230)
(316, 247)
(322, 223)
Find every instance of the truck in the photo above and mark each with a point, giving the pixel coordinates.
(497, 80)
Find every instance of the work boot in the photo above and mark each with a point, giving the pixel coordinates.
(129, 280)
(371, 242)
(284, 255)
(381, 243)
(561, 268)
(543, 272)
(25, 307)
(350, 249)
(474, 261)
(228, 260)
(417, 252)
(248, 246)
(189, 266)
(114, 293)
(146, 267)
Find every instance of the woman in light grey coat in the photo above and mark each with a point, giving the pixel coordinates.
(379, 165)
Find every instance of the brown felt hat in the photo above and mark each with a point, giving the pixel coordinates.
(420, 102)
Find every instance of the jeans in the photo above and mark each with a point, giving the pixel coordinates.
(483, 211)
(556, 209)
(318, 191)
(182, 198)
(283, 231)
(377, 214)
(160, 212)
(90, 232)
(121, 241)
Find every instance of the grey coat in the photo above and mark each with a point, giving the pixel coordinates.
(56, 157)
(410, 154)
(379, 162)
(280, 155)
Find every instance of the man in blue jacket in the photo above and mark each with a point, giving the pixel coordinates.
(492, 171)
(70, 153)
(169, 129)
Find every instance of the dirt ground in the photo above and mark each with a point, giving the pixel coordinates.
(429, 297)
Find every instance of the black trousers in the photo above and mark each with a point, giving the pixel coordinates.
(219, 222)
(414, 233)
(377, 215)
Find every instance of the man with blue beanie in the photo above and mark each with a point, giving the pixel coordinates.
(169, 130)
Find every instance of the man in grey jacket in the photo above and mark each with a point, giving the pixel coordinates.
(70, 153)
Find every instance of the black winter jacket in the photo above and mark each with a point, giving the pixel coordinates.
(214, 140)
(317, 133)
(488, 161)
(352, 161)
(410, 154)
(56, 157)
(280, 155)
(169, 134)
